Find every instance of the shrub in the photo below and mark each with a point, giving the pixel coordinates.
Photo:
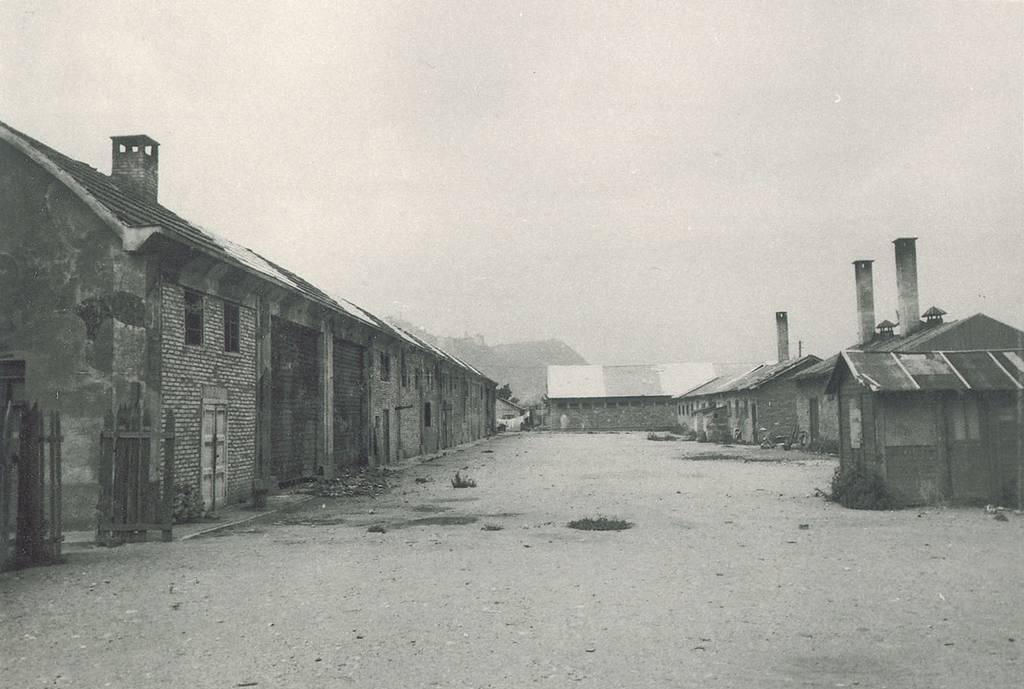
(859, 488)
(600, 524)
(460, 482)
(188, 503)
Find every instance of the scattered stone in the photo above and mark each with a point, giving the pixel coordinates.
(1000, 517)
(805, 526)
(377, 528)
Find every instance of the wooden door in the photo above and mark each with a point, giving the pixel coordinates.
(812, 406)
(213, 455)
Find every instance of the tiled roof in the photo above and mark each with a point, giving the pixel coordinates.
(982, 370)
(645, 380)
(134, 212)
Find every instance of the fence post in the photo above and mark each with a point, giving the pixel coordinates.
(6, 478)
(29, 527)
(56, 517)
(106, 473)
(168, 489)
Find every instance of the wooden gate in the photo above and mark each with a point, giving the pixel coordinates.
(135, 496)
(30, 483)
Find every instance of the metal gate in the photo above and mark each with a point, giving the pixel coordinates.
(30, 487)
(349, 404)
(295, 400)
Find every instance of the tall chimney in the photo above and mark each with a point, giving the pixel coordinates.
(865, 299)
(782, 331)
(135, 165)
(906, 284)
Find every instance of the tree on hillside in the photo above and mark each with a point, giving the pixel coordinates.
(505, 393)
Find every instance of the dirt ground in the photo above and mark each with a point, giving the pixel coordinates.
(718, 584)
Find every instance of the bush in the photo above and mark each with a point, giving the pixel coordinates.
(460, 482)
(600, 524)
(859, 488)
(188, 503)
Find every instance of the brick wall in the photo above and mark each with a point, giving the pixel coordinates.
(625, 414)
(185, 369)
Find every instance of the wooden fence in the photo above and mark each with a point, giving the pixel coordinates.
(135, 497)
(30, 487)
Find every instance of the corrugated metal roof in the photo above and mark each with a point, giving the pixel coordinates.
(646, 380)
(905, 343)
(133, 211)
(981, 370)
(752, 379)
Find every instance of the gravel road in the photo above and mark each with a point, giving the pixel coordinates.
(734, 575)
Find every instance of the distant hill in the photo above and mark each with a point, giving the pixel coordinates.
(523, 365)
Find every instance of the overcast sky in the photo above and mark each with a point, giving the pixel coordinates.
(647, 182)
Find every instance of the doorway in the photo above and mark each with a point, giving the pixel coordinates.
(812, 407)
(386, 436)
(213, 455)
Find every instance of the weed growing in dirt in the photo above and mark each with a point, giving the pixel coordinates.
(859, 488)
(188, 504)
(600, 523)
(460, 482)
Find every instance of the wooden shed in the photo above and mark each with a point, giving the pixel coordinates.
(941, 426)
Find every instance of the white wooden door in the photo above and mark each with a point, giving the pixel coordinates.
(214, 456)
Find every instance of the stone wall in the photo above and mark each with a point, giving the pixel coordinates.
(633, 413)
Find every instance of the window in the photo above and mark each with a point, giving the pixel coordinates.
(856, 432)
(426, 415)
(12, 384)
(231, 327)
(385, 366)
(405, 371)
(909, 421)
(193, 318)
(962, 415)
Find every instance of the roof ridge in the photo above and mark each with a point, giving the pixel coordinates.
(122, 210)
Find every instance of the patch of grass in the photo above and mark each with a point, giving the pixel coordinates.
(600, 523)
(859, 488)
(461, 482)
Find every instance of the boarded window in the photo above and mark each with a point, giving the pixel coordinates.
(856, 431)
(385, 366)
(405, 372)
(232, 336)
(427, 417)
(909, 421)
(193, 318)
(962, 416)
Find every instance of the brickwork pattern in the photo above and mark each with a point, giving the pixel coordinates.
(185, 369)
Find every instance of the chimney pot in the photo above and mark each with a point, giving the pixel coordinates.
(135, 165)
(906, 284)
(782, 332)
(863, 275)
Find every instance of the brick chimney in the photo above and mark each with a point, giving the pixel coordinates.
(782, 332)
(906, 284)
(863, 275)
(135, 165)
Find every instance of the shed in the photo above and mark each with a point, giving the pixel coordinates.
(937, 426)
